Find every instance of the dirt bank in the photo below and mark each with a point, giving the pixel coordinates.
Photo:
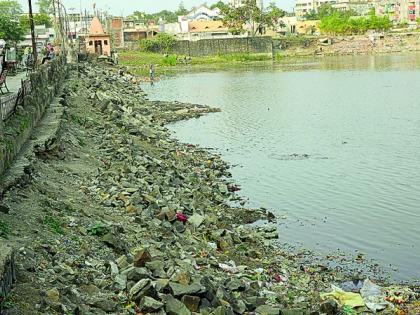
(121, 219)
(358, 44)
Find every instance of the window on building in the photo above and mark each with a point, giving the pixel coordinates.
(105, 42)
(90, 43)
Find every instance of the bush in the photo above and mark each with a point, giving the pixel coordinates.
(163, 43)
(4, 229)
(169, 60)
(339, 23)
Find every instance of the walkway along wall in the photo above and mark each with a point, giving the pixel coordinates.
(22, 112)
(223, 46)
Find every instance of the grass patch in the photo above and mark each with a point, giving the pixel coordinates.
(98, 229)
(54, 224)
(4, 229)
(8, 301)
(140, 61)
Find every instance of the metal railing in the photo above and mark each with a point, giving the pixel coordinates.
(9, 103)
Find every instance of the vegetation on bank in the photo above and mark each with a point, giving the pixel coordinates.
(139, 61)
(339, 23)
(163, 42)
(336, 22)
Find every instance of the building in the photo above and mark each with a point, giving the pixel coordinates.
(171, 28)
(205, 30)
(117, 31)
(237, 3)
(201, 13)
(98, 41)
(303, 7)
(397, 10)
(413, 10)
(134, 31)
(288, 25)
(43, 36)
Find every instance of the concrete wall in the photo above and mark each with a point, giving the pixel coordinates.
(15, 131)
(211, 47)
(291, 42)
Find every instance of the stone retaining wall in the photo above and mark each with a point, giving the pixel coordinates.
(7, 272)
(212, 47)
(15, 131)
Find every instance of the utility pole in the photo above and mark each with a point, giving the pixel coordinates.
(31, 22)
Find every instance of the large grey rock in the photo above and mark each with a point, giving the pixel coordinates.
(181, 289)
(175, 307)
(191, 302)
(196, 219)
(136, 274)
(148, 304)
(267, 310)
(140, 289)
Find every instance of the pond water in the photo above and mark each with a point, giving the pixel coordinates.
(330, 145)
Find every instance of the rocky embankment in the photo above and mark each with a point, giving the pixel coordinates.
(119, 218)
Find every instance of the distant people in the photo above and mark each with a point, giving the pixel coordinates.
(372, 39)
(49, 53)
(152, 73)
(116, 58)
(52, 53)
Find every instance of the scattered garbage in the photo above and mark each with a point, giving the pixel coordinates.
(343, 298)
(352, 286)
(373, 296)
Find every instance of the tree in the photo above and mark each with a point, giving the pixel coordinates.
(219, 5)
(311, 15)
(167, 16)
(181, 9)
(45, 6)
(325, 10)
(249, 14)
(344, 23)
(10, 29)
(39, 19)
(10, 7)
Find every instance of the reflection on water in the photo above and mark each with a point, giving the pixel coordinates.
(331, 144)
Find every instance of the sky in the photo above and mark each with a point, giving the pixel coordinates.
(126, 7)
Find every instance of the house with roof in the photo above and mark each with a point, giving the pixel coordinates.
(98, 41)
(133, 31)
(206, 29)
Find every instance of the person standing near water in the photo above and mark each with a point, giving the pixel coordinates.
(152, 73)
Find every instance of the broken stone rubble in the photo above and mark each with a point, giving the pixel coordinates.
(124, 248)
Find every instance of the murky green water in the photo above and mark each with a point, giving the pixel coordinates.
(332, 145)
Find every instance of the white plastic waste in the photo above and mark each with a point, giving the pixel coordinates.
(373, 296)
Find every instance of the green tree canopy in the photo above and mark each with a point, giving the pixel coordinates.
(10, 29)
(39, 19)
(181, 9)
(45, 6)
(344, 23)
(10, 7)
(249, 14)
(219, 4)
(167, 16)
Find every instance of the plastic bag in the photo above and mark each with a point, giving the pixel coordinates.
(373, 296)
(343, 298)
